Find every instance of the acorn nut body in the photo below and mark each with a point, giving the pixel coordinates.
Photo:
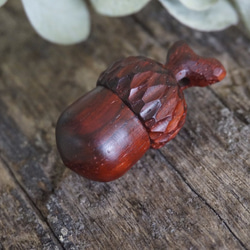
(96, 136)
(138, 103)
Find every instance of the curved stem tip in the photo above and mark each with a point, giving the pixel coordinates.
(193, 70)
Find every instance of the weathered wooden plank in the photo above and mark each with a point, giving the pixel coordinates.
(193, 193)
(21, 225)
(83, 213)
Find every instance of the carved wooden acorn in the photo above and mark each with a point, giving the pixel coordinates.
(138, 103)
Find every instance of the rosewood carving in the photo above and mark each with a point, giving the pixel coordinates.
(138, 103)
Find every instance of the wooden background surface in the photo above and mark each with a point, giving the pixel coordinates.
(194, 193)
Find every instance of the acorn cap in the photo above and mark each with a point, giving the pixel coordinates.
(154, 92)
(151, 92)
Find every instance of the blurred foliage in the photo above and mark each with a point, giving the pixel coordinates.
(68, 21)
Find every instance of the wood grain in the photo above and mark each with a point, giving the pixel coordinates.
(191, 194)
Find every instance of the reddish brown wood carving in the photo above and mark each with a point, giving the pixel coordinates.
(138, 104)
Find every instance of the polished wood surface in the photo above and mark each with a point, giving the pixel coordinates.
(99, 137)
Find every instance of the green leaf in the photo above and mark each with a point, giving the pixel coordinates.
(118, 7)
(62, 22)
(2, 2)
(220, 16)
(199, 4)
(244, 10)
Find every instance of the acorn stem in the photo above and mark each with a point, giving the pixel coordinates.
(190, 69)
